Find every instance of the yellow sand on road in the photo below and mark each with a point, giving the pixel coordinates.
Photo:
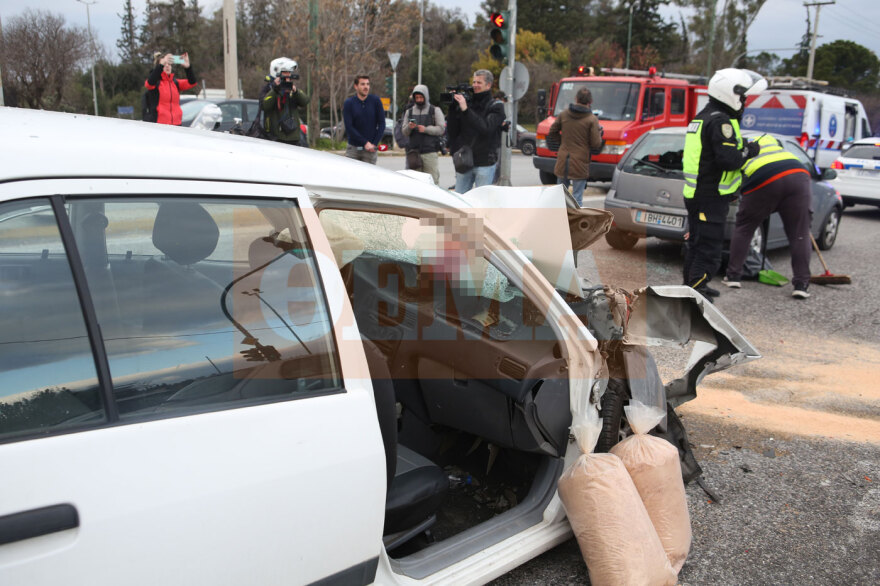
(799, 388)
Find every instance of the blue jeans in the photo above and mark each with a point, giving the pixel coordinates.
(577, 188)
(476, 177)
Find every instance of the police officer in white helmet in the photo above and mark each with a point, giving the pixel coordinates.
(714, 153)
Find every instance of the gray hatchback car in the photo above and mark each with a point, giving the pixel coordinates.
(646, 196)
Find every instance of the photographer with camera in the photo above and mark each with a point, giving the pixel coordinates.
(423, 125)
(281, 103)
(161, 100)
(474, 128)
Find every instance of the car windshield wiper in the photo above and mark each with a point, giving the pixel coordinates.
(653, 164)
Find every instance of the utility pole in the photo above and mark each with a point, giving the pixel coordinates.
(711, 41)
(818, 6)
(92, 50)
(421, 39)
(230, 50)
(315, 104)
(2, 102)
(510, 103)
(629, 32)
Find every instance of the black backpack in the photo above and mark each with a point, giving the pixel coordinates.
(257, 128)
(150, 103)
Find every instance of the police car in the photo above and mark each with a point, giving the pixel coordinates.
(858, 172)
(226, 361)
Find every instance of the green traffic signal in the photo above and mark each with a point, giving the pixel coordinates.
(499, 33)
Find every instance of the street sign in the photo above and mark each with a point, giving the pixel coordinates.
(124, 110)
(394, 58)
(521, 84)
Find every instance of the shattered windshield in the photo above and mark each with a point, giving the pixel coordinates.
(439, 246)
(612, 100)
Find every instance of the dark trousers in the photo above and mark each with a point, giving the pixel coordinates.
(791, 196)
(706, 221)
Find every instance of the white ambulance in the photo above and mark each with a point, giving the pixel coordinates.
(822, 122)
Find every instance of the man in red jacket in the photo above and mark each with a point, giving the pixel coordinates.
(162, 82)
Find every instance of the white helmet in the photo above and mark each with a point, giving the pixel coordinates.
(730, 86)
(282, 64)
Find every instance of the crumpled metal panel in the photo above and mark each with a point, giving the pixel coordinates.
(674, 315)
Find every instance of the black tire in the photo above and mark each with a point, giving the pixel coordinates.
(528, 148)
(620, 240)
(611, 414)
(547, 178)
(830, 226)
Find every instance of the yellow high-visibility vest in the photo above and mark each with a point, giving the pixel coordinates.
(693, 148)
(771, 152)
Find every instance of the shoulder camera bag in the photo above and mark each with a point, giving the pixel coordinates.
(463, 159)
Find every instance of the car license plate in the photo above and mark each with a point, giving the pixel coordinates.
(868, 173)
(643, 217)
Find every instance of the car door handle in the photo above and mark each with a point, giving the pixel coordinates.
(36, 522)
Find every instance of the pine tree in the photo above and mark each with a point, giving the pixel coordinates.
(127, 42)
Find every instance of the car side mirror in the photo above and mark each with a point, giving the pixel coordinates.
(829, 174)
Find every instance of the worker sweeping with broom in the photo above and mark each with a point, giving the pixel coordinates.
(774, 181)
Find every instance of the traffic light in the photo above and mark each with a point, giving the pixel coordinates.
(499, 32)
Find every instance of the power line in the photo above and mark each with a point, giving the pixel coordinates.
(863, 28)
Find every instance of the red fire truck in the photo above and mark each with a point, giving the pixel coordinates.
(628, 104)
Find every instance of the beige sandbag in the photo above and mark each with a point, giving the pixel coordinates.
(614, 532)
(655, 469)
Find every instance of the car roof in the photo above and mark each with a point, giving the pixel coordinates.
(871, 140)
(683, 129)
(45, 145)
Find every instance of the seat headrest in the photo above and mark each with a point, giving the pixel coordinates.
(185, 232)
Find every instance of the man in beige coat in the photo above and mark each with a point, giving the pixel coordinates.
(581, 135)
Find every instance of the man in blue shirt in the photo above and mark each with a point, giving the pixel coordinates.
(364, 119)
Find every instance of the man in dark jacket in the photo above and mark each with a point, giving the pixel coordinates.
(364, 118)
(282, 102)
(579, 132)
(167, 89)
(714, 153)
(476, 124)
(424, 125)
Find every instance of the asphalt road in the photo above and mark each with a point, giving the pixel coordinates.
(790, 443)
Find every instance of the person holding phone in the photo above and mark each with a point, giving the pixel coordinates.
(162, 98)
(424, 127)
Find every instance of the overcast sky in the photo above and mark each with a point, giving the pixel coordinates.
(780, 24)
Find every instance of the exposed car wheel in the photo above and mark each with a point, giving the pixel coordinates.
(611, 414)
(830, 226)
(620, 240)
(547, 178)
(528, 148)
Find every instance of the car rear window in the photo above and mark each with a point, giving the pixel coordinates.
(205, 304)
(657, 154)
(863, 151)
(49, 378)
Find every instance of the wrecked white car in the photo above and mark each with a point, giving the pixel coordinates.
(229, 361)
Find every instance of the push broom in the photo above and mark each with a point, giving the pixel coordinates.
(828, 278)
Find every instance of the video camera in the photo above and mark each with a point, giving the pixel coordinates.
(464, 89)
(287, 80)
